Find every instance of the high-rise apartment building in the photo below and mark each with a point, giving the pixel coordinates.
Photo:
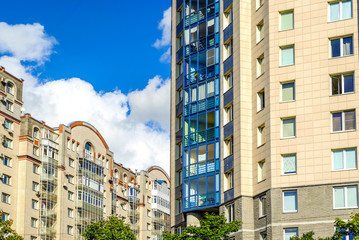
(263, 114)
(56, 181)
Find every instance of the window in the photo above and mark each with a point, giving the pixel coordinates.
(341, 47)
(35, 151)
(343, 121)
(261, 171)
(230, 212)
(7, 142)
(33, 238)
(286, 20)
(6, 179)
(342, 83)
(34, 204)
(228, 114)
(70, 196)
(210, 57)
(148, 199)
(178, 206)
(288, 128)
(228, 180)
(148, 213)
(289, 164)
(287, 55)
(5, 198)
(345, 197)
(228, 49)
(178, 178)
(290, 201)
(290, 232)
(36, 133)
(9, 106)
(260, 100)
(228, 147)
(262, 206)
(228, 82)
(8, 124)
(10, 88)
(70, 230)
(228, 18)
(35, 168)
(70, 213)
(148, 226)
(259, 3)
(288, 91)
(71, 163)
(70, 179)
(5, 217)
(344, 159)
(261, 135)
(34, 222)
(35, 186)
(263, 236)
(259, 31)
(340, 10)
(260, 66)
(7, 161)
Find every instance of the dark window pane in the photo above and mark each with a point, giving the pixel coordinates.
(348, 83)
(349, 120)
(210, 26)
(193, 5)
(337, 122)
(202, 60)
(210, 2)
(210, 183)
(335, 44)
(202, 30)
(336, 85)
(202, 4)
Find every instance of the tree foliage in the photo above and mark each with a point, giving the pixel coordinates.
(111, 229)
(6, 232)
(342, 229)
(212, 227)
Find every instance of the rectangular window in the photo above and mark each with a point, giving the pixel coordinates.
(148, 199)
(260, 100)
(260, 66)
(8, 124)
(259, 3)
(178, 178)
(34, 222)
(6, 179)
(290, 203)
(230, 212)
(35, 186)
(342, 83)
(340, 10)
(344, 159)
(71, 163)
(288, 91)
(261, 171)
(345, 197)
(290, 232)
(5, 217)
(34, 204)
(70, 230)
(228, 18)
(341, 47)
(7, 142)
(5, 198)
(148, 213)
(287, 55)
(148, 226)
(210, 57)
(70, 213)
(289, 164)
(288, 128)
(9, 106)
(228, 150)
(70, 179)
(33, 238)
(70, 196)
(263, 236)
(7, 161)
(178, 206)
(35, 151)
(286, 20)
(262, 206)
(228, 82)
(228, 114)
(228, 50)
(259, 31)
(343, 121)
(261, 135)
(35, 168)
(228, 180)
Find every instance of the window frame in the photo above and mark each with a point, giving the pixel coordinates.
(343, 150)
(262, 202)
(281, 48)
(342, 83)
(261, 170)
(230, 213)
(341, 46)
(340, 11)
(345, 197)
(7, 161)
(281, 91)
(260, 100)
(343, 121)
(261, 135)
(292, 228)
(260, 31)
(296, 164)
(281, 13)
(5, 198)
(295, 127)
(260, 66)
(296, 201)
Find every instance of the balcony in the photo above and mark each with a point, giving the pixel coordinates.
(228, 64)
(201, 168)
(201, 105)
(202, 201)
(228, 32)
(179, 54)
(202, 136)
(179, 81)
(179, 108)
(179, 135)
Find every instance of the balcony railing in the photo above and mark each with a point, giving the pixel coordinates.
(201, 168)
(228, 163)
(203, 200)
(201, 74)
(228, 130)
(202, 136)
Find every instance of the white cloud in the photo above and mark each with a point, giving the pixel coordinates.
(165, 26)
(135, 126)
(166, 57)
(26, 41)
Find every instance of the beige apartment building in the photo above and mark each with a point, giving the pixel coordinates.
(263, 120)
(56, 181)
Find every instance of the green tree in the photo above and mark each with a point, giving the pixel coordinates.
(6, 232)
(212, 227)
(111, 229)
(343, 228)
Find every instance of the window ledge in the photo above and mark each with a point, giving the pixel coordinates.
(288, 174)
(262, 216)
(345, 208)
(228, 190)
(260, 110)
(261, 181)
(341, 56)
(227, 123)
(340, 20)
(284, 138)
(282, 66)
(260, 75)
(341, 170)
(261, 145)
(227, 90)
(286, 30)
(336, 132)
(290, 212)
(341, 94)
(287, 101)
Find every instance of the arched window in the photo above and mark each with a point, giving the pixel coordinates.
(10, 88)
(88, 151)
(35, 133)
(125, 178)
(116, 174)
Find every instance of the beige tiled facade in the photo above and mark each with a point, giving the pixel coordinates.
(55, 181)
(314, 178)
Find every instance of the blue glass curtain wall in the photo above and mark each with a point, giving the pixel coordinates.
(201, 106)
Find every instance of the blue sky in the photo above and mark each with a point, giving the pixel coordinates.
(103, 62)
(109, 43)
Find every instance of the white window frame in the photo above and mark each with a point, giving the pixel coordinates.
(281, 91)
(296, 199)
(260, 100)
(341, 46)
(343, 121)
(261, 170)
(290, 229)
(260, 65)
(260, 31)
(70, 212)
(34, 223)
(345, 197)
(280, 19)
(344, 159)
(70, 230)
(262, 202)
(281, 48)
(295, 127)
(230, 213)
(296, 163)
(340, 10)
(228, 82)
(7, 161)
(261, 138)
(34, 204)
(6, 179)
(341, 83)
(6, 198)
(35, 186)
